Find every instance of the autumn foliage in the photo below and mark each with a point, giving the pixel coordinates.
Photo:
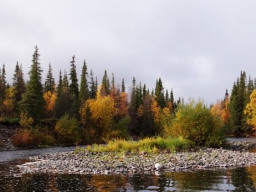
(250, 110)
(99, 112)
(69, 113)
(195, 122)
(50, 100)
(67, 130)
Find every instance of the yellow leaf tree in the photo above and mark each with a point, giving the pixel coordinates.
(9, 102)
(50, 100)
(156, 111)
(100, 111)
(250, 110)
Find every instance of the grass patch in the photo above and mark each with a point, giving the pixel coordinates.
(150, 145)
(9, 121)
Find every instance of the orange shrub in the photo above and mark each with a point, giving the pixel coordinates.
(32, 138)
(22, 138)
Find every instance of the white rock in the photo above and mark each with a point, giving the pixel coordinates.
(158, 166)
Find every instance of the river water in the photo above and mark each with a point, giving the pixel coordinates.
(239, 179)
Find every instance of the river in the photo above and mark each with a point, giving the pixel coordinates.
(239, 179)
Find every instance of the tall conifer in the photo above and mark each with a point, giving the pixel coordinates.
(159, 93)
(74, 91)
(84, 90)
(49, 84)
(93, 86)
(123, 86)
(32, 100)
(18, 84)
(237, 105)
(105, 85)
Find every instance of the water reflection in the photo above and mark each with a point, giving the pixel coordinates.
(240, 179)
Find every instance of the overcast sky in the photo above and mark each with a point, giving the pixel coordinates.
(197, 47)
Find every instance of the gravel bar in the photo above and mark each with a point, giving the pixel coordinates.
(85, 162)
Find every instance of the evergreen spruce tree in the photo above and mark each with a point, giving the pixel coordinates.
(84, 90)
(32, 100)
(74, 91)
(4, 77)
(144, 91)
(159, 93)
(250, 88)
(58, 105)
(133, 128)
(49, 84)
(105, 85)
(237, 121)
(2, 91)
(138, 96)
(113, 82)
(167, 96)
(174, 104)
(60, 84)
(63, 100)
(93, 86)
(113, 89)
(18, 84)
(123, 86)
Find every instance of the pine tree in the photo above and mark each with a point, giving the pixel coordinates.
(4, 76)
(18, 84)
(237, 121)
(58, 106)
(113, 82)
(144, 91)
(84, 90)
(73, 78)
(2, 91)
(63, 101)
(60, 84)
(74, 91)
(172, 101)
(113, 89)
(105, 85)
(250, 88)
(123, 86)
(159, 93)
(138, 96)
(167, 96)
(93, 87)
(49, 84)
(133, 111)
(32, 100)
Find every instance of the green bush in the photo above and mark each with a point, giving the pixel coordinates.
(119, 129)
(195, 122)
(67, 130)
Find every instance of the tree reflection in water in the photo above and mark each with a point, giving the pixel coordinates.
(240, 179)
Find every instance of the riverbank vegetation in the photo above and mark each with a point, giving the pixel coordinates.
(84, 111)
(154, 145)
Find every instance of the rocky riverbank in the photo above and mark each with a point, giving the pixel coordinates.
(5, 138)
(242, 145)
(113, 163)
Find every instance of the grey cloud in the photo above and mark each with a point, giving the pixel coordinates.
(197, 47)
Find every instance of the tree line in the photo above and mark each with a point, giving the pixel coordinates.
(90, 112)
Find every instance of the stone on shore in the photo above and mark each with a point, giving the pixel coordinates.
(113, 163)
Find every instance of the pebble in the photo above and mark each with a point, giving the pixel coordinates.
(113, 163)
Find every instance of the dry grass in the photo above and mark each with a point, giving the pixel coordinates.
(151, 145)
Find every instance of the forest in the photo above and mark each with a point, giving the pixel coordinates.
(70, 113)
